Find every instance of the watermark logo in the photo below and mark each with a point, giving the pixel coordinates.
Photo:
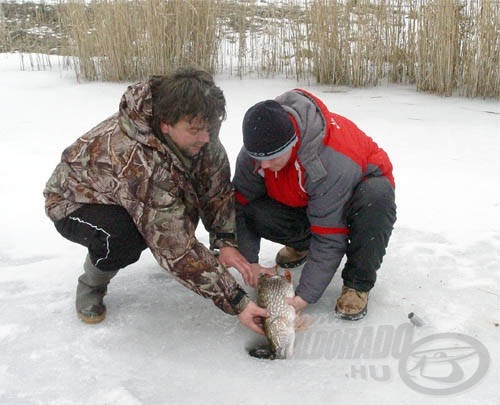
(444, 364)
(439, 364)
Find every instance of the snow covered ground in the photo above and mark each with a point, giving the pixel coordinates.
(161, 344)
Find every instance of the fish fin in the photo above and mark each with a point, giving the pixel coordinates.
(303, 322)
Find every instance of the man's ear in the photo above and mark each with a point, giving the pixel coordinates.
(164, 127)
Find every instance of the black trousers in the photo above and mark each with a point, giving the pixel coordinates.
(370, 217)
(107, 231)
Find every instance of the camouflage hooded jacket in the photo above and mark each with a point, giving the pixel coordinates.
(122, 162)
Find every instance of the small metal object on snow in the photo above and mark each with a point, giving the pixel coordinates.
(415, 320)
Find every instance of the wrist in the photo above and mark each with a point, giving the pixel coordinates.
(240, 301)
(221, 240)
(298, 303)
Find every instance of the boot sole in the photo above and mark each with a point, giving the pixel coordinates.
(91, 319)
(352, 317)
(292, 265)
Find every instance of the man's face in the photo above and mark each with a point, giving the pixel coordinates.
(276, 164)
(189, 136)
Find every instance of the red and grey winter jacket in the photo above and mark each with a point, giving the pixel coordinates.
(331, 158)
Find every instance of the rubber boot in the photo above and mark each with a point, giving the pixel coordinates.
(92, 287)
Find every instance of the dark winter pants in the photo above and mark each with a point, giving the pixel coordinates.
(370, 216)
(107, 231)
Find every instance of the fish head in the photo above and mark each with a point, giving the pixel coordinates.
(285, 278)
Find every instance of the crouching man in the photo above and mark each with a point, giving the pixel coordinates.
(311, 180)
(142, 179)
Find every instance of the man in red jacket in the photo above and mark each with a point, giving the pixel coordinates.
(311, 180)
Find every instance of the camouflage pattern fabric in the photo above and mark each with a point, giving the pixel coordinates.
(122, 162)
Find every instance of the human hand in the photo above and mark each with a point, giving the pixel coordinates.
(297, 302)
(253, 317)
(231, 257)
(255, 270)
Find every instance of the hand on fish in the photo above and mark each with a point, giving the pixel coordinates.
(297, 302)
(231, 257)
(255, 271)
(253, 317)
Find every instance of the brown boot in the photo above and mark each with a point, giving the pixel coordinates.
(352, 304)
(289, 258)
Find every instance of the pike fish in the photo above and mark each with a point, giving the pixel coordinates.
(279, 327)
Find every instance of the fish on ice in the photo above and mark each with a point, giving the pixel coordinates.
(279, 327)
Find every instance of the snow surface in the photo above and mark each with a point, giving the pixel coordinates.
(161, 344)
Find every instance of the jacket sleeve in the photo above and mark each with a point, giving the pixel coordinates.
(329, 232)
(158, 205)
(249, 186)
(216, 197)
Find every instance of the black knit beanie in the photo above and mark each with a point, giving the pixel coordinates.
(267, 130)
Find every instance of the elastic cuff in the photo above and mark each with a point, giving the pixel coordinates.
(220, 240)
(240, 198)
(240, 301)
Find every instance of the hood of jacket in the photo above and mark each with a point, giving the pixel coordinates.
(135, 115)
(311, 123)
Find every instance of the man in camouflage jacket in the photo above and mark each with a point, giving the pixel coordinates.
(142, 179)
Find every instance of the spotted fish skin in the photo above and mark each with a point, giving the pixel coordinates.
(279, 327)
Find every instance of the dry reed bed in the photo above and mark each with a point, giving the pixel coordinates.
(126, 40)
(441, 46)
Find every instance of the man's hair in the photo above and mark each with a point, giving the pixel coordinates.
(187, 93)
